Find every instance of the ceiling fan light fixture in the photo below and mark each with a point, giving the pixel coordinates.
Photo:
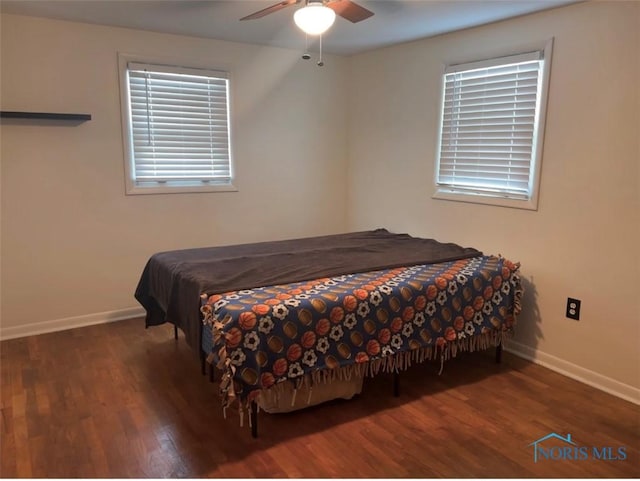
(314, 19)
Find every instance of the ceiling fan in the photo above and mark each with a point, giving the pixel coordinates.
(317, 16)
(345, 8)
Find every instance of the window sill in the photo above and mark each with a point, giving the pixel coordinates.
(179, 189)
(485, 199)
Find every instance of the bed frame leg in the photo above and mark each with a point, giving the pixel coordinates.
(254, 419)
(202, 362)
(396, 384)
(499, 353)
(175, 331)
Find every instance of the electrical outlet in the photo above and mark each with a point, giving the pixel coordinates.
(573, 309)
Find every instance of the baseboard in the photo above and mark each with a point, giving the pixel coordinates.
(566, 368)
(69, 323)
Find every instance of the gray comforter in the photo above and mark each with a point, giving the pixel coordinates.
(172, 282)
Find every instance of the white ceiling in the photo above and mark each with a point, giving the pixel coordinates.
(395, 21)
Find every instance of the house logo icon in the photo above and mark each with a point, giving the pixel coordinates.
(537, 444)
(563, 448)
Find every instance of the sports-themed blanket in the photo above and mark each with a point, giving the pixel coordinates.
(359, 323)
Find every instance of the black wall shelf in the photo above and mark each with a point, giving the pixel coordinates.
(44, 116)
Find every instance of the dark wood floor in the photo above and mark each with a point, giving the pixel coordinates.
(117, 400)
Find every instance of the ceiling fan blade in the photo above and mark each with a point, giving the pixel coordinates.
(350, 10)
(271, 9)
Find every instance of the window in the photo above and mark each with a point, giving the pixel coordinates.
(176, 128)
(491, 130)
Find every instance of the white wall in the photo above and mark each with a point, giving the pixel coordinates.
(584, 240)
(73, 244)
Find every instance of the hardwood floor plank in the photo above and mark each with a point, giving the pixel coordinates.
(23, 460)
(96, 450)
(116, 400)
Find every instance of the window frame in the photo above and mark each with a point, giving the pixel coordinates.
(132, 187)
(442, 192)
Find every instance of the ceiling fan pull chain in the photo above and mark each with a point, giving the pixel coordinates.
(306, 55)
(320, 62)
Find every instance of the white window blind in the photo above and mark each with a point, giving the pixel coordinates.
(490, 122)
(179, 125)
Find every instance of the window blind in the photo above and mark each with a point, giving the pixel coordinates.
(489, 126)
(179, 124)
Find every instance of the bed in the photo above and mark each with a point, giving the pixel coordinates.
(289, 321)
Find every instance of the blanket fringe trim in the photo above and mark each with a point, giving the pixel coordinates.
(394, 363)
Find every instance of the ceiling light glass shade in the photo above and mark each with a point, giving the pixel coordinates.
(314, 19)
